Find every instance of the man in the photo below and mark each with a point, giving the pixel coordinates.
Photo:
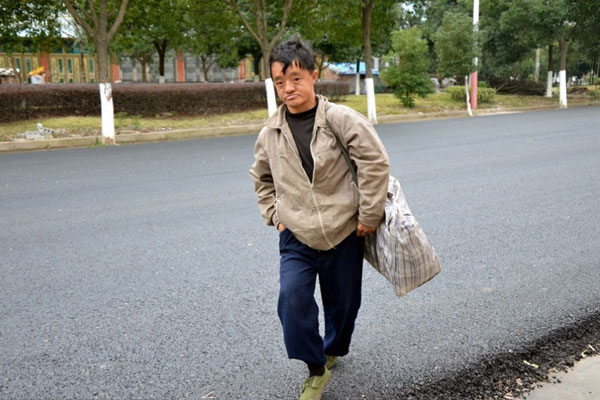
(306, 190)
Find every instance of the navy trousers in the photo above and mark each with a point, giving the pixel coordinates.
(340, 277)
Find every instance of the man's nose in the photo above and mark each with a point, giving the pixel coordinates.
(288, 86)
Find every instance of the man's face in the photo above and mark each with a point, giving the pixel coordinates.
(295, 87)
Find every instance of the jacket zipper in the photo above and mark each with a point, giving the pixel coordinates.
(310, 184)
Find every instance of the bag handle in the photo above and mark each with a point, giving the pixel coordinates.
(351, 166)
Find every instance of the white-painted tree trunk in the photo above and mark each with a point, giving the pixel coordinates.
(357, 85)
(371, 109)
(563, 88)
(468, 97)
(549, 85)
(108, 117)
(161, 79)
(271, 103)
(538, 52)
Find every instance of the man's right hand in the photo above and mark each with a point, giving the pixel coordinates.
(280, 228)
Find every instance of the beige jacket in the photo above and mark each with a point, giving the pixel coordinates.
(322, 213)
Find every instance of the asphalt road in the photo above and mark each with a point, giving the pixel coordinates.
(146, 272)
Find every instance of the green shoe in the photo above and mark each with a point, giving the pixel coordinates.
(314, 386)
(330, 361)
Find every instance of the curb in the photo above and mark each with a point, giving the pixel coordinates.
(157, 136)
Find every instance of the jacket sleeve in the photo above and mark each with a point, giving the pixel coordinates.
(371, 159)
(260, 172)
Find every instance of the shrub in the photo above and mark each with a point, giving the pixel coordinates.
(484, 95)
(334, 90)
(518, 87)
(594, 94)
(19, 102)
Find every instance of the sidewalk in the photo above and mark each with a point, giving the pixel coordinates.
(129, 138)
(582, 382)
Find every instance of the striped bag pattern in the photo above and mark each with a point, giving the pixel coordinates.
(399, 249)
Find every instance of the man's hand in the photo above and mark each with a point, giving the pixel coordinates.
(280, 228)
(363, 230)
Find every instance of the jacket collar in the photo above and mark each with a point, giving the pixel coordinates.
(277, 120)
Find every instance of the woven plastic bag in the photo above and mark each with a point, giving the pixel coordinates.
(399, 249)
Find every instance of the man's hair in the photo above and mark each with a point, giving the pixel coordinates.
(293, 51)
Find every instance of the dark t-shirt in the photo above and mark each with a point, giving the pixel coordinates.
(301, 125)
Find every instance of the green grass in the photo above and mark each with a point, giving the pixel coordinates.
(387, 104)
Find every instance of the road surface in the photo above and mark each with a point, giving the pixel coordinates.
(146, 272)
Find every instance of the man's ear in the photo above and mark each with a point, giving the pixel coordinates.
(315, 75)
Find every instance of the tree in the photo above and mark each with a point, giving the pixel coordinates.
(101, 23)
(132, 40)
(454, 45)
(332, 28)
(159, 23)
(407, 73)
(454, 42)
(256, 18)
(266, 35)
(211, 32)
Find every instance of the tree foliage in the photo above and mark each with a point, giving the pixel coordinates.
(265, 21)
(211, 32)
(36, 20)
(454, 42)
(407, 73)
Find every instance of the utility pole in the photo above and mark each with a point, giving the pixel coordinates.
(475, 61)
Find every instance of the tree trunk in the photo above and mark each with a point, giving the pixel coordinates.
(266, 53)
(142, 61)
(12, 66)
(563, 72)
(204, 68)
(256, 64)
(161, 49)
(467, 96)
(103, 62)
(597, 71)
(357, 86)
(82, 69)
(366, 25)
(536, 77)
(550, 66)
(321, 60)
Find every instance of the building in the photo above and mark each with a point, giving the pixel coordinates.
(65, 64)
(346, 72)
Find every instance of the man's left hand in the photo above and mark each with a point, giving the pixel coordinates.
(363, 230)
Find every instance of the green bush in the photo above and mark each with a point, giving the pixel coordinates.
(594, 94)
(484, 95)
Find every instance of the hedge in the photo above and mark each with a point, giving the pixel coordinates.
(19, 102)
(518, 87)
(484, 95)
